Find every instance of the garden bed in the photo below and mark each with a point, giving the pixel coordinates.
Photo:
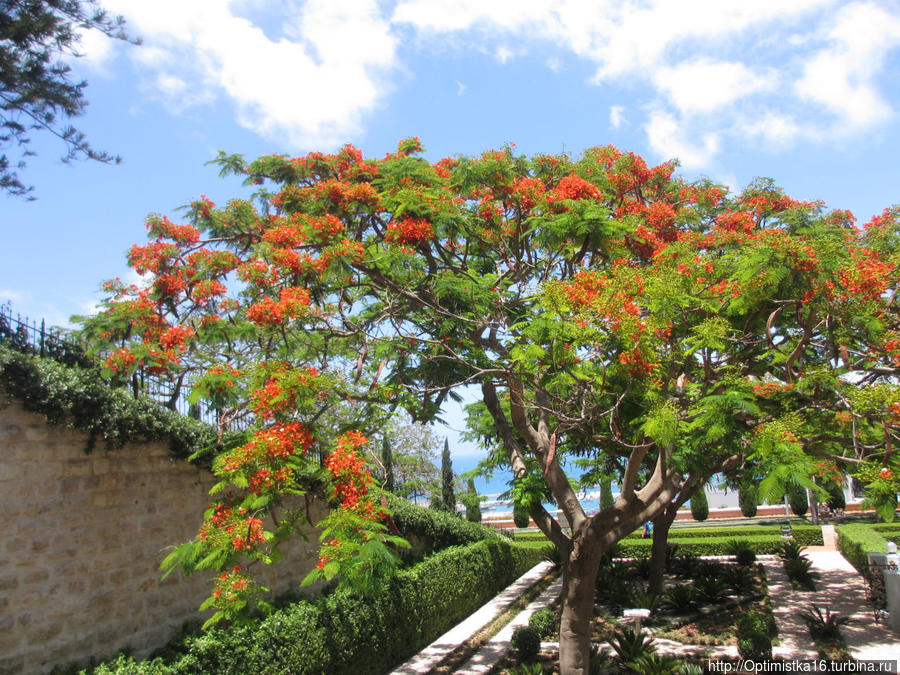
(701, 605)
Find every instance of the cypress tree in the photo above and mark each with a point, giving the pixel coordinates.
(836, 499)
(798, 500)
(520, 515)
(448, 498)
(473, 507)
(699, 505)
(387, 458)
(748, 498)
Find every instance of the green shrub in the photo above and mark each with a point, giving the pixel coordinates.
(544, 622)
(527, 642)
(856, 540)
(437, 529)
(699, 505)
(798, 500)
(754, 642)
(748, 499)
(520, 516)
(82, 399)
(702, 546)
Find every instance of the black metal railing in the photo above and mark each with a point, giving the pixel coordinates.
(30, 337)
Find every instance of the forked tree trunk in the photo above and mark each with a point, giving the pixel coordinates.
(579, 578)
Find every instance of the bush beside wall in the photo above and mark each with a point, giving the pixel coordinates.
(343, 633)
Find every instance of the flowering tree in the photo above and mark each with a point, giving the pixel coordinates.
(611, 313)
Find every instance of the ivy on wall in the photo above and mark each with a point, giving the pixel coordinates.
(81, 399)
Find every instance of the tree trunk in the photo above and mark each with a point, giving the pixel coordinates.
(579, 577)
(813, 499)
(658, 550)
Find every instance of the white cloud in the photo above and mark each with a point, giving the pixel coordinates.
(460, 88)
(504, 54)
(667, 137)
(705, 86)
(842, 75)
(308, 73)
(616, 116)
(775, 129)
(311, 90)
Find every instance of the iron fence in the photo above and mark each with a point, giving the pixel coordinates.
(30, 337)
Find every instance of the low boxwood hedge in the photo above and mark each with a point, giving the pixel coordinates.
(343, 633)
(760, 544)
(856, 540)
(807, 535)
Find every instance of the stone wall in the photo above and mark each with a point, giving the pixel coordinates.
(81, 539)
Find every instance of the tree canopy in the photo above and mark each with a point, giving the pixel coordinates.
(36, 90)
(615, 317)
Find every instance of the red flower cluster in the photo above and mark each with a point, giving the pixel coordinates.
(163, 228)
(409, 231)
(574, 187)
(293, 303)
(350, 476)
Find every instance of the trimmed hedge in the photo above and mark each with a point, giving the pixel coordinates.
(761, 545)
(807, 535)
(344, 633)
(438, 529)
(858, 539)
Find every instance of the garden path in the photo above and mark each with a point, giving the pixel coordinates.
(840, 588)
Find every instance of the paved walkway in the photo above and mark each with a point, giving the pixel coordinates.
(840, 588)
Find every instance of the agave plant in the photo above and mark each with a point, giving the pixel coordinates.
(739, 578)
(789, 550)
(630, 646)
(710, 588)
(685, 563)
(742, 551)
(681, 598)
(825, 626)
(644, 599)
(599, 662)
(799, 571)
(527, 669)
(654, 664)
(550, 553)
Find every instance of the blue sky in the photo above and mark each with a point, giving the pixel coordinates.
(806, 92)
